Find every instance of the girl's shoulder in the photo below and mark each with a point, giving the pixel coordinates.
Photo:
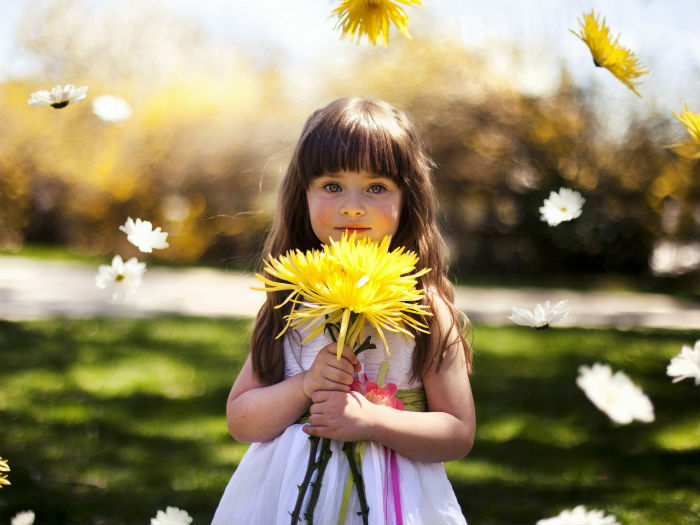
(441, 302)
(446, 318)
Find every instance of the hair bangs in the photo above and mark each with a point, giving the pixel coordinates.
(369, 141)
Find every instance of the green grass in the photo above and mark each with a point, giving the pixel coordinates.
(109, 420)
(52, 252)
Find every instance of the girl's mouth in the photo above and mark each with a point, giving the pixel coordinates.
(354, 229)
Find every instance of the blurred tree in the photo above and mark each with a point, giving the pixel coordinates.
(499, 154)
(189, 159)
(211, 134)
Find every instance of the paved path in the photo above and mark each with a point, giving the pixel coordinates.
(34, 289)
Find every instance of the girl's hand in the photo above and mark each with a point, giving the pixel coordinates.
(330, 373)
(342, 416)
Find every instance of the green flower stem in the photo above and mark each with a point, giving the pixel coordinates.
(323, 458)
(349, 449)
(329, 328)
(365, 345)
(310, 467)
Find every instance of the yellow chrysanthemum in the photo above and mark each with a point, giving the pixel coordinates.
(607, 53)
(348, 284)
(372, 17)
(4, 467)
(691, 121)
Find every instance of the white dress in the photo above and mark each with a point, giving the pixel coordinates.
(264, 488)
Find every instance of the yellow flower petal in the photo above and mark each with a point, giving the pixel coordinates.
(372, 17)
(607, 53)
(691, 121)
(343, 332)
(349, 283)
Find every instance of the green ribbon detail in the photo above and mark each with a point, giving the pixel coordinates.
(413, 399)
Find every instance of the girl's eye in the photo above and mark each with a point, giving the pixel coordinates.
(332, 187)
(377, 188)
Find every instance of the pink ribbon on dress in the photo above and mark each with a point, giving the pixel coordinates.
(395, 487)
(392, 465)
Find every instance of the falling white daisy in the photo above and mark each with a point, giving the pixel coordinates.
(59, 97)
(580, 516)
(686, 364)
(615, 395)
(562, 206)
(171, 516)
(111, 109)
(542, 316)
(121, 278)
(142, 235)
(26, 517)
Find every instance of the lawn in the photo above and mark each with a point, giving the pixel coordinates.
(109, 420)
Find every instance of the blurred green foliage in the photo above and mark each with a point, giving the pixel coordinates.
(97, 413)
(203, 153)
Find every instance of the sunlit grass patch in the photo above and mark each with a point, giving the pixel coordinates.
(559, 432)
(101, 411)
(682, 435)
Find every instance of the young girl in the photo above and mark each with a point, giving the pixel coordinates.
(358, 167)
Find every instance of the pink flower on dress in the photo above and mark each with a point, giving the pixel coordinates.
(384, 395)
(357, 385)
(378, 396)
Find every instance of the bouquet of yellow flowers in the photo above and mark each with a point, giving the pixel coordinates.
(342, 288)
(349, 283)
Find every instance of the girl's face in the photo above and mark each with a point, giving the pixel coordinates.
(360, 202)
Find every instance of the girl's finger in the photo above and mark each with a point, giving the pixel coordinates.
(339, 376)
(349, 355)
(343, 363)
(313, 430)
(319, 396)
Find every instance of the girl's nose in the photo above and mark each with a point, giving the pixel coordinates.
(352, 207)
(352, 211)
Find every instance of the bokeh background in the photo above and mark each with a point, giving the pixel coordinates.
(108, 419)
(507, 99)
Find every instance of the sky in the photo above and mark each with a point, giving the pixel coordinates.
(664, 34)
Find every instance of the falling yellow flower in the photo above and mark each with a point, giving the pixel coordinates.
(617, 59)
(349, 283)
(691, 121)
(372, 17)
(4, 467)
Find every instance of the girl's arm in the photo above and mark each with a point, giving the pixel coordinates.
(444, 433)
(259, 412)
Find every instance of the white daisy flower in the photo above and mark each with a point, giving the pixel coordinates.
(121, 278)
(26, 517)
(580, 516)
(686, 364)
(616, 395)
(142, 235)
(171, 516)
(58, 97)
(111, 109)
(542, 316)
(562, 206)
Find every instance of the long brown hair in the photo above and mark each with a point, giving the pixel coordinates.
(352, 134)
